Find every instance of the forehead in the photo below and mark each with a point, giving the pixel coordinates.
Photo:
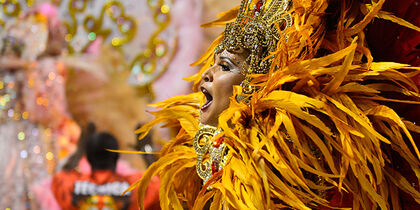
(239, 54)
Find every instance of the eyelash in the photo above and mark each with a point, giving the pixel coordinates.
(225, 67)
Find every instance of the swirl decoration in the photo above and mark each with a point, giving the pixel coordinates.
(202, 142)
(114, 10)
(116, 27)
(212, 154)
(144, 64)
(12, 9)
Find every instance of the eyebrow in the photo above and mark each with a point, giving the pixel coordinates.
(228, 59)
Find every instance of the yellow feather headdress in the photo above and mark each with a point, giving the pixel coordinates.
(320, 120)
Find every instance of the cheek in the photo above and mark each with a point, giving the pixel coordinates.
(224, 86)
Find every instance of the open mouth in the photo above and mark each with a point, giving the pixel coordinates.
(209, 98)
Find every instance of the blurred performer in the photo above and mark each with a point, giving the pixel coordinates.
(32, 105)
(103, 187)
(97, 91)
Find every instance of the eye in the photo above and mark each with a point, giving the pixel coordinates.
(225, 67)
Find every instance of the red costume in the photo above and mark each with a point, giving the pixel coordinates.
(102, 188)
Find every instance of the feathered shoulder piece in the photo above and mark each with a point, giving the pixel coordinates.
(318, 120)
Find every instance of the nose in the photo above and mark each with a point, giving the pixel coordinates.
(207, 75)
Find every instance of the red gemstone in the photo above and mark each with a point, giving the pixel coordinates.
(218, 141)
(213, 168)
(259, 3)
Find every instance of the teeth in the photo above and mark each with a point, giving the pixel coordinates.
(203, 90)
(207, 94)
(209, 98)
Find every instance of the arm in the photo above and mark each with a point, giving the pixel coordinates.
(74, 159)
(12, 63)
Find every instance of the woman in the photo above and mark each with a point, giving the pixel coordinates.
(292, 113)
(33, 110)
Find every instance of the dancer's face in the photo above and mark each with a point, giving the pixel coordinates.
(217, 84)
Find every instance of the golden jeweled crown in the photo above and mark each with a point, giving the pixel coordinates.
(257, 28)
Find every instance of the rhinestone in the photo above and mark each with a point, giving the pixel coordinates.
(23, 154)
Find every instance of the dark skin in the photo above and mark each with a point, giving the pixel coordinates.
(74, 159)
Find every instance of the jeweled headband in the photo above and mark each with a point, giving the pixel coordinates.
(257, 28)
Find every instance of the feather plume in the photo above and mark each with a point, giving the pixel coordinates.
(321, 121)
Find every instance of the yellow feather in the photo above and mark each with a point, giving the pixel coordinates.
(401, 181)
(359, 120)
(224, 17)
(386, 112)
(217, 201)
(210, 51)
(366, 20)
(388, 16)
(340, 75)
(323, 116)
(323, 148)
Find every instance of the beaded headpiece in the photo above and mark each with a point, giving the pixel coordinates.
(257, 28)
